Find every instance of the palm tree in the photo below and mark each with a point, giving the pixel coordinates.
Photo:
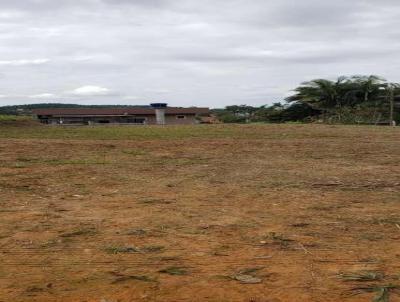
(370, 89)
(344, 94)
(392, 92)
(322, 94)
(368, 86)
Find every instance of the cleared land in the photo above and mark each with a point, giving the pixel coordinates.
(250, 213)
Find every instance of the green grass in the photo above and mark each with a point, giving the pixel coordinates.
(152, 249)
(121, 250)
(135, 152)
(75, 162)
(34, 130)
(27, 162)
(362, 276)
(382, 292)
(14, 118)
(81, 232)
(174, 271)
(123, 278)
(114, 132)
(132, 249)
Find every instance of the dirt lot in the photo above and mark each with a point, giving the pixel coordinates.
(258, 213)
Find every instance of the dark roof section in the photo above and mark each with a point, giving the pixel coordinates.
(118, 111)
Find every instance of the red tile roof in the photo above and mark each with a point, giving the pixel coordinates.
(117, 111)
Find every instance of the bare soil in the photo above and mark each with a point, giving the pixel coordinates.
(226, 213)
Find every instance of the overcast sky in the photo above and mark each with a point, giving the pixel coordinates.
(189, 52)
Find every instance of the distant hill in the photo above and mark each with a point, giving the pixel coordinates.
(27, 109)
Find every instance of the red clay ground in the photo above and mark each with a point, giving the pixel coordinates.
(307, 213)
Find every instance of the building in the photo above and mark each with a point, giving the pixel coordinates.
(157, 114)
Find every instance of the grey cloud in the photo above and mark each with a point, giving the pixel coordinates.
(22, 62)
(189, 52)
(157, 4)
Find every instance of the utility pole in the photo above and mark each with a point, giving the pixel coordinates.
(391, 104)
(390, 88)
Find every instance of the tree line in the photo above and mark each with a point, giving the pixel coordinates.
(351, 100)
(27, 108)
